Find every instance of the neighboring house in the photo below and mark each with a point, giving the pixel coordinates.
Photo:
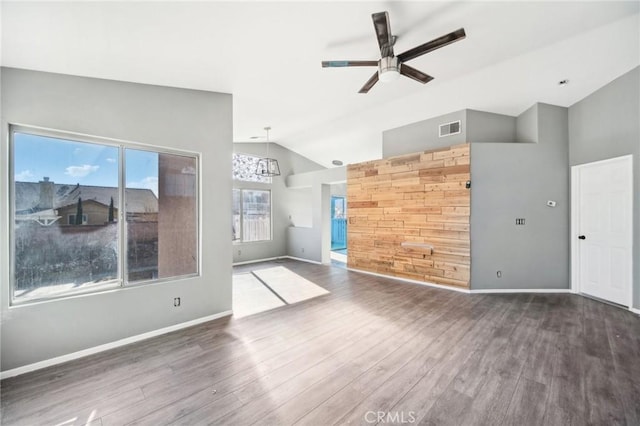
(93, 213)
(46, 203)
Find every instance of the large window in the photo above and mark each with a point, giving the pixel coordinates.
(251, 215)
(90, 215)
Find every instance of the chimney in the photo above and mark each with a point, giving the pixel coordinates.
(46, 194)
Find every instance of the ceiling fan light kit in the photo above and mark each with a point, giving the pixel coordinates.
(388, 69)
(390, 66)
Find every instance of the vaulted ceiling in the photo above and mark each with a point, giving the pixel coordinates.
(268, 54)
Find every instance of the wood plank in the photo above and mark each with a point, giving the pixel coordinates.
(528, 403)
(441, 171)
(372, 343)
(358, 204)
(282, 388)
(445, 186)
(428, 342)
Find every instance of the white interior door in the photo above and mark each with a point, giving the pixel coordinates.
(604, 228)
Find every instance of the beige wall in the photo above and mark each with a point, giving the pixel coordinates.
(97, 214)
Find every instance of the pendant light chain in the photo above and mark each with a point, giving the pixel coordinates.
(267, 130)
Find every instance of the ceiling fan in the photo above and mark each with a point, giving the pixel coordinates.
(390, 66)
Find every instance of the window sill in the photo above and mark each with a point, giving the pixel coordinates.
(242, 243)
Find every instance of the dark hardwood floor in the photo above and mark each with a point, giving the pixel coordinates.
(372, 351)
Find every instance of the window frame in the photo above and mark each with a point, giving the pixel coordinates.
(241, 240)
(122, 214)
(121, 282)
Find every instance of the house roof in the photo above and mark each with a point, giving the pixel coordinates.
(268, 55)
(138, 200)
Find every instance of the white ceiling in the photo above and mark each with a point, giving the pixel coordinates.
(268, 56)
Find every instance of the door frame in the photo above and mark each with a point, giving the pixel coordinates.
(626, 161)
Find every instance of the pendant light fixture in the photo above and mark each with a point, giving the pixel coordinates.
(267, 166)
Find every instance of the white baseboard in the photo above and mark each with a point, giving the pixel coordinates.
(518, 290)
(480, 291)
(101, 348)
(248, 262)
(271, 259)
(408, 280)
(300, 259)
(635, 311)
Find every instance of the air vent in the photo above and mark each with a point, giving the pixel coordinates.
(449, 129)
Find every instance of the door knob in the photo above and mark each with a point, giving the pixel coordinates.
(582, 237)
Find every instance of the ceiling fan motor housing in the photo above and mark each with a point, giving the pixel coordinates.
(388, 69)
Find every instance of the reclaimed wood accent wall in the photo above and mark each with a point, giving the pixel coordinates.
(409, 216)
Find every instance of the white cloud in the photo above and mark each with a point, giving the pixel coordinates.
(80, 171)
(111, 160)
(24, 176)
(150, 182)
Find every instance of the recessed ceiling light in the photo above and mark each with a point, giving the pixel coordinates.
(563, 82)
(337, 163)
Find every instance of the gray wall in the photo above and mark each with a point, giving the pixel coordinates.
(489, 127)
(339, 189)
(288, 207)
(527, 126)
(314, 242)
(423, 135)
(475, 126)
(606, 124)
(299, 207)
(515, 180)
(161, 116)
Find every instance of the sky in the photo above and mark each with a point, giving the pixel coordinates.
(70, 162)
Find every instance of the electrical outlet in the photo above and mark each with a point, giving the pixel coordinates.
(499, 274)
(239, 252)
(520, 221)
(176, 302)
(302, 249)
(551, 203)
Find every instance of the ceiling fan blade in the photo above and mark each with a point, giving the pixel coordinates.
(336, 64)
(432, 45)
(369, 84)
(383, 32)
(414, 74)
